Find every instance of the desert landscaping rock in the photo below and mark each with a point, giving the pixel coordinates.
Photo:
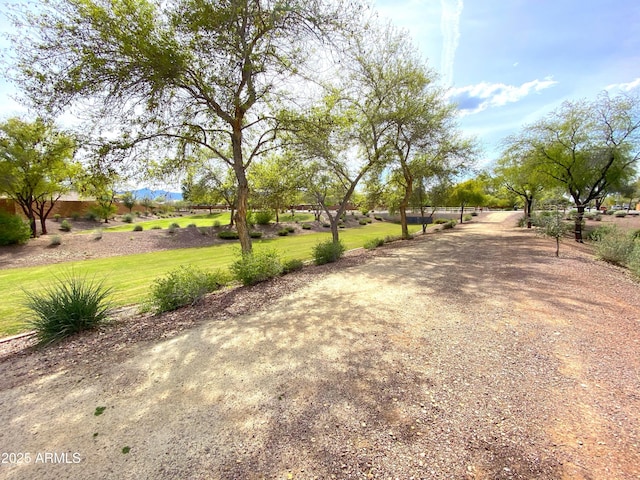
(468, 354)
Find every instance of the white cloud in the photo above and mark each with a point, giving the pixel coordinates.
(450, 27)
(476, 98)
(625, 87)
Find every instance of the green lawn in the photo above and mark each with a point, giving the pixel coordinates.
(131, 275)
(201, 220)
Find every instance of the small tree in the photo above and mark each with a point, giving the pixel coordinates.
(129, 200)
(553, 226)
(467, 193)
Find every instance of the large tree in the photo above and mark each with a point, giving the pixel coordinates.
(588, 148)
(200, 73)
(36, 166)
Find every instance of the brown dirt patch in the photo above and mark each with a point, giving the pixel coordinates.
(473, 353)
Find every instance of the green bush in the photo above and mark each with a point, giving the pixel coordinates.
(450, 224)
(597, 234)
(440, 221)
(257, 266)
(292, 265)
(378, 217)
(327, 252)
(306, 226)
(467, 217)
(255, 234)
(174, 225)
(634, 259)
(283, 232)
(156, 227)
(615, 247)
(362, 221)
(192, 225)
(71, 305)
(137, 228)
(13, 229)
(55, 240)
(75, 215)
(263, 217)
(216, 224)
(65, 226)
(620, 214)
(56, 217)
(228, 235)
(128, 218)
(185, 285)
(373, 243)
(291, 229)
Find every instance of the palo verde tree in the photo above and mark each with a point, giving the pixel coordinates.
(516, 170)
(588, 147)
(469, 192)
(277, 182)
(36, 166)
(189, 73)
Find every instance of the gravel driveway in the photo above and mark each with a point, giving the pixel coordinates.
(469, 353)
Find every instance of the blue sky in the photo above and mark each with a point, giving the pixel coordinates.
(508, 62)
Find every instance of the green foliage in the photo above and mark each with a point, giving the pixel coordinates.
(128, 218)
(216, 224)
(615, 246)
(56, 217)
(378, 217)
(13, 229)
(228, 235)
(156, 227)
(70, 306)
(283, 232)
(290, 229)
(65, 226)
(392, 238)
(633, 261)
(597, 234)
(449, 224)
(440, 221)
(620, 214)
(552, 226)
(174, 225)
(255, 234)
(185, 285)
(327, 252)
(55, 241)
(362, 221)
(292, 265)
(467, 217)
(306, 226)
(138, 228)
(373, 243)
(257, 266)
(263, 217)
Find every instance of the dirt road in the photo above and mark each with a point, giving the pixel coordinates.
(471, 353)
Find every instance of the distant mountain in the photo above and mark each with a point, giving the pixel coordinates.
(153, 194)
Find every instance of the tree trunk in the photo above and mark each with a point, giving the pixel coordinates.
(43, 225)
(231, 215)
(528, 206)
(32, 225)
(403, 222)
(578, 224)
(557, 246)
(424, 225)
(242, 200)
(461, 212)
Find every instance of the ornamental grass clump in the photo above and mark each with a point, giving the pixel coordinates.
(185, 285)
(73, 304)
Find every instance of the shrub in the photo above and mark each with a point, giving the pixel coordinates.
(75, 215)
(522, 222)
(327, 252)
(156, 227)
(128, 218)
(186, 285)
(13, 229)
(292, 265)
(216, 223)
(174, 225)
(615, 247)
(192, 225)
(56, 217)
(634, 259)
(440, 221)
(306, 226)
(326, 225)
(373, 243)
(65, 226)
(228, 235)
(55, 241)
(71, 305)
(255, 234)
(137, 228)
(450, 224)
(620, 214)
(467, 217)
(290, 229)
(378, 217)
(362, 221)
(203, 230)
(263, 217)
(257, 266)
(283, 232)
(364, 212)
(597, 234)
(392, 238)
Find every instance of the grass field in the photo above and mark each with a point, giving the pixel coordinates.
(131, 275)
(204, 220)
